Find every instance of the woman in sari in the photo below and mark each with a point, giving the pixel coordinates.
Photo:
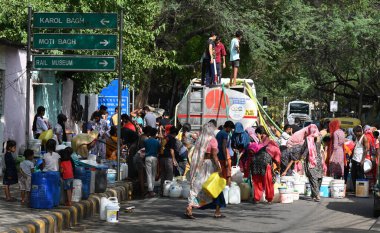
(309, 140)
(264, 155)
(204, 162)
(336, 157)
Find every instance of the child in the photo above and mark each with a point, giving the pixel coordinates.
(67, 173)
(10, 174)
(26, 170)
(51, 158)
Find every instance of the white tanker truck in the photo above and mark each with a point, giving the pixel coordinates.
(201, 104)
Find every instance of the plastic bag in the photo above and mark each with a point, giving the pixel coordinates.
(45, 136)
(214, 185)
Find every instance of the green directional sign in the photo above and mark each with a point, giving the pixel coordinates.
(75, 20)
(74, 41)
(74, 63)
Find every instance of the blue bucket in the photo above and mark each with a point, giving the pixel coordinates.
(324, 191)
(111, 176)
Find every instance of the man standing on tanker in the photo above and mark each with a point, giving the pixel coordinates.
(235, 56)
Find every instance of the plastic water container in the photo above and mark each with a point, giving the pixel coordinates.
(307, 189)
(286, 198)
(337, 189)
(166, 188)
(101, 180)
(299, 187)
(234, 194)
(102, 208)
(367, 166)
(175, 190)
(245, 191)
(296, 196)
(226, 191)
(85, 176)
(93, 176)
(236, 174)
(362, 188)
(112, 210)
(288, 181)
(111, 176)
(77, 190)
(41, 195)
(185, 190)
(324, 191)
(54, 179)
(124, 171)
(276, 197)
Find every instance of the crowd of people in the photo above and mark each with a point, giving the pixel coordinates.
(157, 150)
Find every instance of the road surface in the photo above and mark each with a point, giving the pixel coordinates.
(167, 215)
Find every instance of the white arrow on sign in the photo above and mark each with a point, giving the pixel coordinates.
(104, 42)
(104, 21)
(104, 63)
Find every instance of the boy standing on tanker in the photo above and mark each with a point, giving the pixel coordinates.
(235, 56)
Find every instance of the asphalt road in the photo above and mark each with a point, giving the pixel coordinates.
(167, 215)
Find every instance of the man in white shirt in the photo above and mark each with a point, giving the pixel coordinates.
(235, 56)
(358, 155)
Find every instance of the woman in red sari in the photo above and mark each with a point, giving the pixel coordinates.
(266, 152)
(336, 158)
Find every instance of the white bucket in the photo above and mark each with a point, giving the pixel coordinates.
(296, 196)
(77, 190)
(337, 189)
(289, 182)
(299, 187)
(283, 190)
(166, 188)
(226, 190)
(326, 180)
(112, 210)
(286, 198)
(362, 188)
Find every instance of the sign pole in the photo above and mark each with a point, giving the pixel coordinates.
(119, 93)
(28, 77)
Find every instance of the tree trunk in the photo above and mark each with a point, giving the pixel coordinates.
(142, 97)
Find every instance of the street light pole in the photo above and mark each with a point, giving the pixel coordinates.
(28, 77)
(119, 93)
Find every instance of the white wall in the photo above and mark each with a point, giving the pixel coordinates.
(13, 61)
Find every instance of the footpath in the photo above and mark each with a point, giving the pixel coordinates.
(18, 218)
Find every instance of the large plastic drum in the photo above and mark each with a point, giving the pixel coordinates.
(55, 186)
(85, 176)
(41, 195)
(101, 180)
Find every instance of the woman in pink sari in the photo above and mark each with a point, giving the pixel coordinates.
(308, 142)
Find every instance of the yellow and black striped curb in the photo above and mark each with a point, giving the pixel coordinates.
(64, 217)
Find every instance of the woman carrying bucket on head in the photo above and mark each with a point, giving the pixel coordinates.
(308, 142)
